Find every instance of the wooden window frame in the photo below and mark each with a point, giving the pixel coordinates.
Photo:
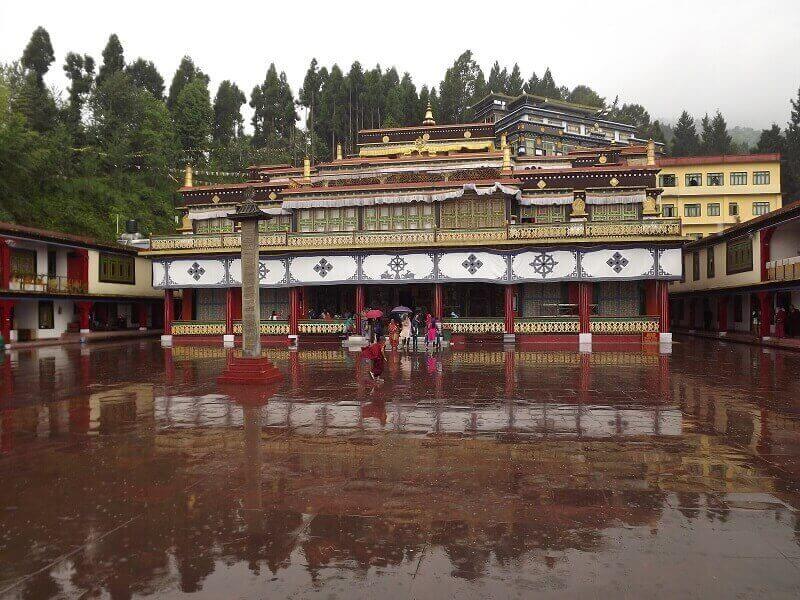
(116, 268)
(739, 255)
(763, 175)
(742, 175)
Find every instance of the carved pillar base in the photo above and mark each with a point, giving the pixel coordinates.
(249, 370)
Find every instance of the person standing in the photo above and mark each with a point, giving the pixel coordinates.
(405, 333)
(394, 334)
(430, 332)
(374, 353)
(416, 330)
(377, 329)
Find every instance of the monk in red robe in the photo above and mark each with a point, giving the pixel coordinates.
(374, 353)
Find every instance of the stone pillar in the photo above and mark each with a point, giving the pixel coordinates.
(584, 311)
(84, 308)
(438, 300)
(251, 306)
(294, 311)
(722, 314)
(186, 304)
(143, 310)
(510, 293)
(664, 334)
(5, 264)
(359, 307)
(168, 312)
(228, 337)
(765, 301)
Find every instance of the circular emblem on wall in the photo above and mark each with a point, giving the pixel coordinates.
(467, 134)
(215, 199)
(273, 195)
(614, 182)
(602, 160)
(542, 183)
(385, 139)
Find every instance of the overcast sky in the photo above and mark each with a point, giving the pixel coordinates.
(742, 58)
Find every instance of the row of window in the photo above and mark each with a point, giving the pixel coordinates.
(117, 268)
(666, 180)
(713, 209)
(738, 258)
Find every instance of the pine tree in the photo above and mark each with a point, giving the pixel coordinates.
(184, 75)
(548, 88)
(457, 90)
(532, 85)
(113, 59)
(145, 74)
(80, 71)
(791, 183)
(274, 115)
(193, 117)
(38, 54)
(685, 141)
(515, 83)
(714, 138)
(33, 99)
(583, 94)
(498, 80)
(228, 119)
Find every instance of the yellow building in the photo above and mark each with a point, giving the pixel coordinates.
(712, 193)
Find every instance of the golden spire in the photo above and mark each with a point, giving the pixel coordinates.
(428, 120)
(338, 152)
(307, 169)
(187, 176)
(651, 153)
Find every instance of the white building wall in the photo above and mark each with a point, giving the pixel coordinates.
(26, 316)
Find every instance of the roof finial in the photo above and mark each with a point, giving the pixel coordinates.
(187, 176)
(338, 152)
(428, 120)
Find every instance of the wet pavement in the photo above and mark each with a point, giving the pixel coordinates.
(127, 472)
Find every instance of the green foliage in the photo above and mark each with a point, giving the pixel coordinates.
(113, 59)
(193, 117)
(714, 138)
(185, 74)
(274, 115)
(228, 121)
(80, 71)
(38, 54)
(145, 74)
(457, 90)
(685, 142)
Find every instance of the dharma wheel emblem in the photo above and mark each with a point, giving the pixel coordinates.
(543, 264)
(472, 264)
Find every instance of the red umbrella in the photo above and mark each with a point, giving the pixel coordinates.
(373, 314)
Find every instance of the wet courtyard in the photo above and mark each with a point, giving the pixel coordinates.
(126, 471)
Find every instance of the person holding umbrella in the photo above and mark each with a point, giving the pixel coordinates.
(376, 329)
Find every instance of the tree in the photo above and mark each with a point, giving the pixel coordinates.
(184, 75)
(228, 119)
(308, 96)
(274, 115)
(457, 90)
(685, 141)
(144, 74)
(80, 71)
(791, 183)
(714, 138)
(498, 80)
(771, 140)
(193, 117)
(38, 54)
(113, 59)
(583, 94)
(548, 88)
(515, 83)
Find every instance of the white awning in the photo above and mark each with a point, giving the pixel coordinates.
(560, 199)
(457, 192)
(619, 197)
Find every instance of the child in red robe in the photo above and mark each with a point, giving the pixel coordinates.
(374, 353)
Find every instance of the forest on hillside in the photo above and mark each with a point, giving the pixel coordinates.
(114, 145)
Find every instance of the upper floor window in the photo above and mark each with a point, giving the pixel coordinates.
(760, 208)
(710, 262)
(614, 212)
(117, 268)
(220, 225)
(715, 179)
(327, 219)
(668, 210)
(276, 223)
(739, 255)
(733, 209)
(691, 210)
(694, 179)
(739, 178)
(761, 177)
(473, 213)
(667, 180)
(399, 216)
(713, 209)
(23, 262)
(543, 214)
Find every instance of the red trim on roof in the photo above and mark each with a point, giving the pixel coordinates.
(722, 158)
(57, 236)
(299, 191)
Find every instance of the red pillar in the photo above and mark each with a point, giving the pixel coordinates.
(228, 311)
(5, 264)
(6, 307)
(765, 300)
(663, 306)
(584, 305)
(765, 238)
(168, 311)
(143, 310)
(652, 297)
(186, 304)
(510, 292)
(359, 307)
(84, 308)
(438, 300)
(294, 310)
(722, 313)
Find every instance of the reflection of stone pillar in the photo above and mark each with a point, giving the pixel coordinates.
(510, 372)
(252, 457)
(584, 377)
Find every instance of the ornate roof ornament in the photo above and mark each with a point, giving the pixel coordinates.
(428, 120)
(248, 210)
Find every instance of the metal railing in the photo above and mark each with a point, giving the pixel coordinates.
(46, 284)
(425, 237)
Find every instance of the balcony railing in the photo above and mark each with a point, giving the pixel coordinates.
(424, 237)
(785, 269)
(46, 284)
(623, 325)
